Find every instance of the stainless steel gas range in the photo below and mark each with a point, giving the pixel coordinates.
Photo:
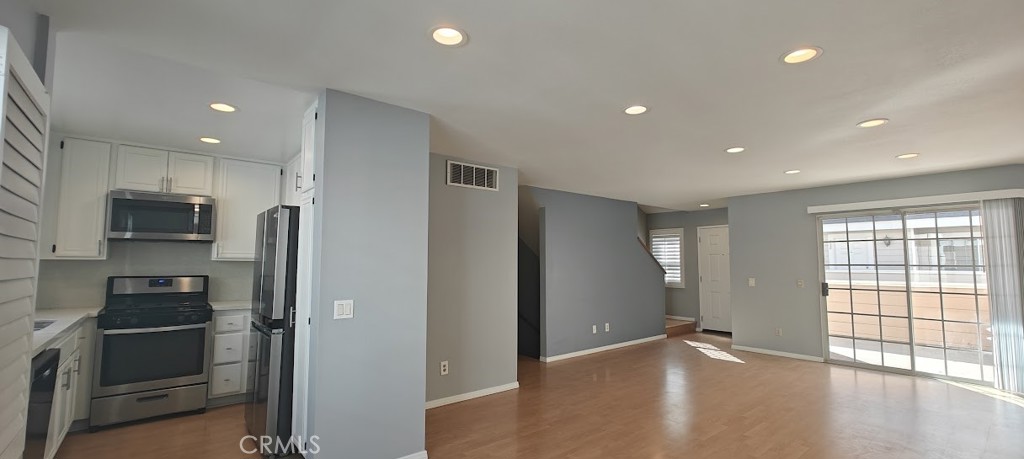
(153, 348)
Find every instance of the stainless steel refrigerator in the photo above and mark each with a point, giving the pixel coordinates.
(268, 410)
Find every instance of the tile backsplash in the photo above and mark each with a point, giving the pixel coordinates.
(82, 283)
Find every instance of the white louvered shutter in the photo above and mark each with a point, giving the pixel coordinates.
(23, 114)
(667, 248)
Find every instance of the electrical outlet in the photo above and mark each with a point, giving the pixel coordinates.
(344, 309)
(444, 368)
(751, 282)
(778, 332)
(800, 283)
(595, 329)
(607, 327)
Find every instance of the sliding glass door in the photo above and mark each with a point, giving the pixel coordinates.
(907, 290)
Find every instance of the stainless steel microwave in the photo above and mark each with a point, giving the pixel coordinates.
(160, 216)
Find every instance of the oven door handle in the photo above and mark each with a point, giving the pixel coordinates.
(153, 330)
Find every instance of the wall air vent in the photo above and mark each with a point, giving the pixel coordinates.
(472, 176)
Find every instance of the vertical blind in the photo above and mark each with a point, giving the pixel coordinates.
(1004, 238)
(667, 249)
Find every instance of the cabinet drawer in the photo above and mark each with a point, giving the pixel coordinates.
(224, 324)
(227, 348)
(226, 379)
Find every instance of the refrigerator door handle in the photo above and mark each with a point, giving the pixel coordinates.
(293, 317)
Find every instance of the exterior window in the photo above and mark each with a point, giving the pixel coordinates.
(667, 247)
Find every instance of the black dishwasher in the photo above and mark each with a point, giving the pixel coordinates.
(40, 402)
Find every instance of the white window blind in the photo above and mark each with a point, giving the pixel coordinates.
(667, 248)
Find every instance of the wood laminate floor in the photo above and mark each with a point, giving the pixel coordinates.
(211, 435)
(666, 399)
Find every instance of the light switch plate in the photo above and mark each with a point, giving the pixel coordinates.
(344, 309)
(751, 282)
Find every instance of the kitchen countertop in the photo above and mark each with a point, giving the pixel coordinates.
(231, 305)
(66, 320)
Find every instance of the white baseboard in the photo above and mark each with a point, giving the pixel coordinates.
(419, 455)
(471, 395)
(595, 350)
(758, 350)
(688, 319)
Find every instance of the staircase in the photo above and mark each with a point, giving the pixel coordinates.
(679, 327)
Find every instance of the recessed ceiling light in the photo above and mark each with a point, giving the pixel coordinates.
(801, 55)
(448, 36)
(222, 107)
(875, 122)
(209, 140)
(908, 156)
(636, 110)
(793, 171)
(735, 150)
(705, 205)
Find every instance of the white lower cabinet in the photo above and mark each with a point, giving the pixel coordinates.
(226, 379)
(232, 355)
(70, 387)
(228, 348)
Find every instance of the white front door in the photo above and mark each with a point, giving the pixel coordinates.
(713, 264)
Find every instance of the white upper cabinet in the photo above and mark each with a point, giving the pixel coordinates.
(244, 190)
(190, 174)
(142, 169)
(148, 169)
(82, 203)
(291, 183)
(307, 174)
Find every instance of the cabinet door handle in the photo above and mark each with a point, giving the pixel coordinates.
(67, 380)
(170, 180)
(78, 365)
(99, 247)
(229, 348)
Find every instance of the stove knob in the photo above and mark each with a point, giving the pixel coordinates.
(134, 320)
(194, 317)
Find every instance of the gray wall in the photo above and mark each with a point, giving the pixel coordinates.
(83, 283)
(31, 31)
(685, 302)
(773, 239)
(370, 246)
(593, 271)
(471, 290)
(642, 230)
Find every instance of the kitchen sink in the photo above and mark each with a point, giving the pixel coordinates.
(41, 324)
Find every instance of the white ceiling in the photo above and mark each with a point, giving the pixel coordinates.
(541, 84)
(107, 91)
